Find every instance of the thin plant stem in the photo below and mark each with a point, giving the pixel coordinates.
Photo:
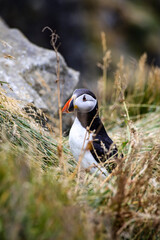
(54, 38)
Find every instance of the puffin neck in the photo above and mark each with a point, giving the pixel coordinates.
(89, 119)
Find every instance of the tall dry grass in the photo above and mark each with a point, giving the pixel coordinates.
(39, 201)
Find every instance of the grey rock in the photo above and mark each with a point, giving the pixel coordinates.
(30, 71)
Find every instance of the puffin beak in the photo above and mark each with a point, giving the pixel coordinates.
(69, 106)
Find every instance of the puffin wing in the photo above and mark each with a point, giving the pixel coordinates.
(101, 153)
(103, 147)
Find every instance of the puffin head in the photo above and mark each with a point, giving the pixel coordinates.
(82, 100)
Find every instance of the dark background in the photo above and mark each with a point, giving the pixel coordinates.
(131, 27)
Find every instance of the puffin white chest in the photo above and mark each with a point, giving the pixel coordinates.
(78, 138)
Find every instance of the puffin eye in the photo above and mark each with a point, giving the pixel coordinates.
(84, 98)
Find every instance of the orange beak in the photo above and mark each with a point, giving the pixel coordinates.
(67, 106)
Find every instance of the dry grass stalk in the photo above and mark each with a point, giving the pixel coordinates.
(54, 38)
(141, 74)
(106, 60)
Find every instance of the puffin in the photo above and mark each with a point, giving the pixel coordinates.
(88, 139)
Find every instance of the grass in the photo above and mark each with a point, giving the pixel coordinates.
(39, 200)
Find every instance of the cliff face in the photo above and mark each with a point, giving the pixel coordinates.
(30, 71)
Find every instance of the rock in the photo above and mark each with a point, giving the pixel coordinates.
(30, 71)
